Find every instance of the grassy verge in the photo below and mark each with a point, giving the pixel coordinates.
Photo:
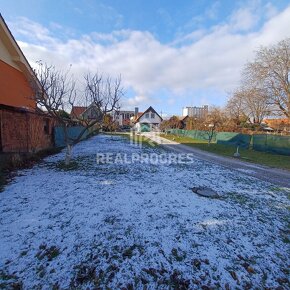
(269, 159)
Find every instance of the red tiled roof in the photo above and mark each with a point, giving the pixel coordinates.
(138, 116)
(272, 122)
(77, 111)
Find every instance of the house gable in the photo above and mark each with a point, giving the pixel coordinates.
(147, 116)
(77, 111)
(92, 112)
(16, 74)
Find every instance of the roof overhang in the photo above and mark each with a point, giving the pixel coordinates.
(16, 53)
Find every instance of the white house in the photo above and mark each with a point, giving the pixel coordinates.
(148, 121)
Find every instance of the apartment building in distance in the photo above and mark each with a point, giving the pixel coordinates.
(195, 112)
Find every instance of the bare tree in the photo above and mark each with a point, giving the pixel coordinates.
(172, 123)
(250, 104)
(175, 123)
(213, 121)
(270, 73)
(55, 92)
(104, 94)
(257, 105)
(236, 109)
(165, 125)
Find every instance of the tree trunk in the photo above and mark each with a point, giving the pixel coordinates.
(68, 154)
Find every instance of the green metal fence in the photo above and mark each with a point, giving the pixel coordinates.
(234, 139)
(272, 143)
(194, 134)
(264, 142)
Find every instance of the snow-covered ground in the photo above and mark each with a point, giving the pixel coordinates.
(131, 225)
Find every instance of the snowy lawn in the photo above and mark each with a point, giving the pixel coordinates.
(140, 226)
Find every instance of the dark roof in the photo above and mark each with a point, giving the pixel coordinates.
(182, 118)
(149, 109)
(37, 111)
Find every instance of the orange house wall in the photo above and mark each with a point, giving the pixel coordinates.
(14, 88)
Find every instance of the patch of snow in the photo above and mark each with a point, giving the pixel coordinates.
(129, 225)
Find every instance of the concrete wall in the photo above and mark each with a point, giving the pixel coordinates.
(22, 131)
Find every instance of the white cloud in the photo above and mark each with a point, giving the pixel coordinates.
(32, 31)
(135, 101)
(244, 19)
(212, 60)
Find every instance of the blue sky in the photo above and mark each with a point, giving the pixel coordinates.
(170, 53)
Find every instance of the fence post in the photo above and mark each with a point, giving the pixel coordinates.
(251, 144)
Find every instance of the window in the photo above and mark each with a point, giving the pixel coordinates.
(152, 115)
(147, 115)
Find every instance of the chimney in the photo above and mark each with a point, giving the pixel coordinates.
(136, 111)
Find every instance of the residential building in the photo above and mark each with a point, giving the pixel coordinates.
(123, 117)
(278, 124)
(92, 112)
(195, 112)
(77, 111)
(183, 121)
(147, 121)
(23, 127)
